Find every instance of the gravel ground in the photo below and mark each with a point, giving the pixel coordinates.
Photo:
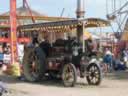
(113, 84)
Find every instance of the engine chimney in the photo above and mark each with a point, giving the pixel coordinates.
(80, 9)
(80, 14)
(24, 4)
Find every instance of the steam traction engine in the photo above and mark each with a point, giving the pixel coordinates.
(63, 58)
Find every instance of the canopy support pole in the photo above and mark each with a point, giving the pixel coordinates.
(83, 40)
(13, 25)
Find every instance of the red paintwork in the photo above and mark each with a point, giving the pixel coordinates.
(6, 40)
(13, 25)
(19, 40)
(24, 40)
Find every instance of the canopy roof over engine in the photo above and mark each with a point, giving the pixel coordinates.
(64, 26)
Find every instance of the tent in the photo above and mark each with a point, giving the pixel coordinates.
(88, 35)
(124, 36)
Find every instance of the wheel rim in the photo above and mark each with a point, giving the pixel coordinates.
(68, 75)
(94, 74)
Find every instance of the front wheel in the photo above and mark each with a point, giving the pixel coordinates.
(94, 76)
(69, 75)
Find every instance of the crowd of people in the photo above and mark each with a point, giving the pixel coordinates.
(119, 62)
(5, 53)
(110, 62)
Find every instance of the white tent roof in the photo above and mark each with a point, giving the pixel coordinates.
(95, 36)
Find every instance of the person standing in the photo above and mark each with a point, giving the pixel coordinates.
(125, 57)
(108, 60)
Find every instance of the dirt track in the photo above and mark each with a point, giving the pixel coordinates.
(115, 84)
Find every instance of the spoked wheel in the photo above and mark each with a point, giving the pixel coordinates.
(69, 75)
(33, 64)
(94, 74)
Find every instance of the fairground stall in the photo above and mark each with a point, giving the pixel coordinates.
(24, 15)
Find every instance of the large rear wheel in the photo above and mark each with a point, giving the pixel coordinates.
(69, 75)
(33, 64)
(94, 74)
